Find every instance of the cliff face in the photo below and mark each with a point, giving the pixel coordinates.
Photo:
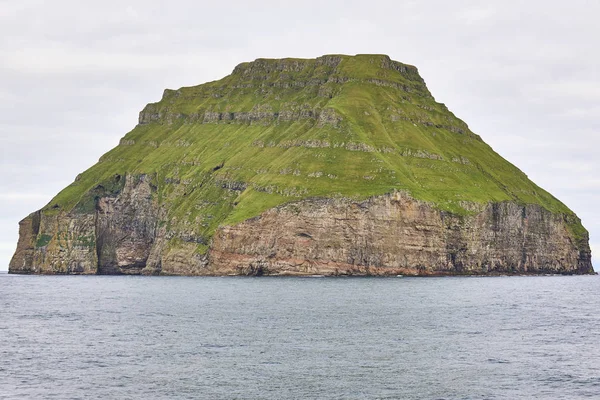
(383, 235)
(113, 237)
(395, 234)
(338, 165)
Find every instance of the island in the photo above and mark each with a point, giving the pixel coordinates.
(339, 165)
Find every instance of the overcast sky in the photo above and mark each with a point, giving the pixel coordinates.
(74, 75)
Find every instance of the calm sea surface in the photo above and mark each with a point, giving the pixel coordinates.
(100, 337)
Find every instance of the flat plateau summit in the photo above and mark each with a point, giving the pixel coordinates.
(339, 165)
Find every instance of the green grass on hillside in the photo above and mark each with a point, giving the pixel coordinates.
(390, 135)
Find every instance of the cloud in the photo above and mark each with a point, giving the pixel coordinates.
(7, 246)
(74, 75)
(476, 15)
(24, 196)
(59, 60)
(578, 113)
(7, 249)
(566, 90)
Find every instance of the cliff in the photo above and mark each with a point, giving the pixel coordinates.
(337, 165)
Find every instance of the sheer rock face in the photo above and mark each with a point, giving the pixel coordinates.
(58, 243)
(115, 238)
(384, 235)
(125, 227)
(395, 234)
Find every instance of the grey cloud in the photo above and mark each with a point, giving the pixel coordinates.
(74, 75)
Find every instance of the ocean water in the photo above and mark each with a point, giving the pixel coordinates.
(103, 337)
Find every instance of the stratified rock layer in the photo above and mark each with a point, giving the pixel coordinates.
(384, 235)
(337, 166)
(395, 234)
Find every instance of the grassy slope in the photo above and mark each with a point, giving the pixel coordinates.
(395, 119)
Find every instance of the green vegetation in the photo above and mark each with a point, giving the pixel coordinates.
(43, 240)
(277, 131)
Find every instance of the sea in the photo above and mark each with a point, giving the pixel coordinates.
(133, 337)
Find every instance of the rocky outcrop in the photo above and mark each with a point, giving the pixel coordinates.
(113, 236)
(384, 235)
(55, 243)
(395, 234)
(125, 227)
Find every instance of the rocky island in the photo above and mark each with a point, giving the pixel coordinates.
(340, 165)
